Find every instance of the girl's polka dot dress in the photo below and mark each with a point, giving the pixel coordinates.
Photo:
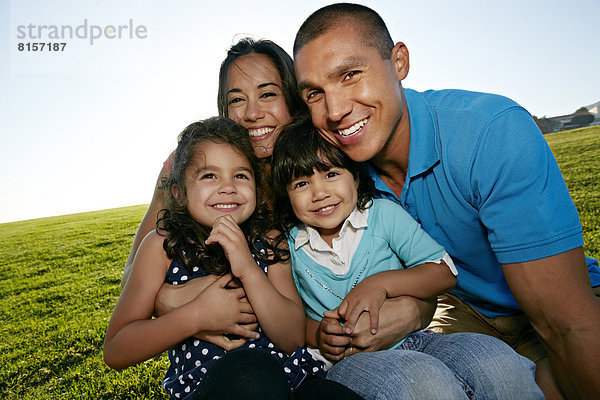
(191, 358)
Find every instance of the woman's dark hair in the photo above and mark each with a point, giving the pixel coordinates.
(283, 62)
(298, 151)
(184, 236)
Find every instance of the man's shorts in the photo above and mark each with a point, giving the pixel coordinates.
(454, 315)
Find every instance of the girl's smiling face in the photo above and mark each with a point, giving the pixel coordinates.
(219, 181)
(256, 101)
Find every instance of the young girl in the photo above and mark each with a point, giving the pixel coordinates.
(351, 252)
(212, 225)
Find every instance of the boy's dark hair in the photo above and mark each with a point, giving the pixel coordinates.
(184, 236)
(297, 152)
(371, 27)
(283, 62)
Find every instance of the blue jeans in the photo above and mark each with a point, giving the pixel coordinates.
(435, 366)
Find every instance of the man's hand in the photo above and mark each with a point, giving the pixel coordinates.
(398, 317)
(366, 298)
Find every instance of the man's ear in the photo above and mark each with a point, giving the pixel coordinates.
(400, 59)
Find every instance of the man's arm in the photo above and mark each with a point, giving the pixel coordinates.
(397, 318)
(421, 281)
(554, 292)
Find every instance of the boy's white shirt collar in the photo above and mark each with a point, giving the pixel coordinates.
(308, 234)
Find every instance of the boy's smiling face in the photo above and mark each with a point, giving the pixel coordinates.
(324, 200)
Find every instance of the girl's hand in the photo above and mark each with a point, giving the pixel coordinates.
(229, 235)
(367, 296)
(228, 311)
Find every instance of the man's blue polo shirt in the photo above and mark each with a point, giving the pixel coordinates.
(483, 182)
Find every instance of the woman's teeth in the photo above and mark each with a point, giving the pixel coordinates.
(260, 132)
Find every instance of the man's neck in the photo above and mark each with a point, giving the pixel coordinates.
(391, 163)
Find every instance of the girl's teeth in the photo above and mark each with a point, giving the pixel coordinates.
(260, 132)
(353, 128)
(325, 208)
(224, 206)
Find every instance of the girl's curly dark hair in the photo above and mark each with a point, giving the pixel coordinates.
(184, 236)
(297, 152)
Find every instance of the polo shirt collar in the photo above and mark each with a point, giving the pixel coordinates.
(308, 234)
(423, 153)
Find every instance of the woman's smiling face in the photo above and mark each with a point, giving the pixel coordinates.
(255, 100)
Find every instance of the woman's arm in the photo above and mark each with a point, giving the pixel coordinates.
(274, 299)
(133, 336)
(148, 223)
(421, 281)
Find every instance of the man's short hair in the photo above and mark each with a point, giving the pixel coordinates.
(372, 28)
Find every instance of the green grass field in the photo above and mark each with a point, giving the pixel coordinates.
(60, 281)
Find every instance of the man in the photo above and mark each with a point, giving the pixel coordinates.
(476, 172)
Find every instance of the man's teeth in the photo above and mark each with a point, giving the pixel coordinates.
(260, 132)
(225, 206)
(353, 128)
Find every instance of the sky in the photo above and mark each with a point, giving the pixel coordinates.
(87, 127)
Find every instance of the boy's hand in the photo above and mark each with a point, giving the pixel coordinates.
(331, 339)
(367, 296)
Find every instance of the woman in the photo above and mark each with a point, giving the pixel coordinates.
(257, 89)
